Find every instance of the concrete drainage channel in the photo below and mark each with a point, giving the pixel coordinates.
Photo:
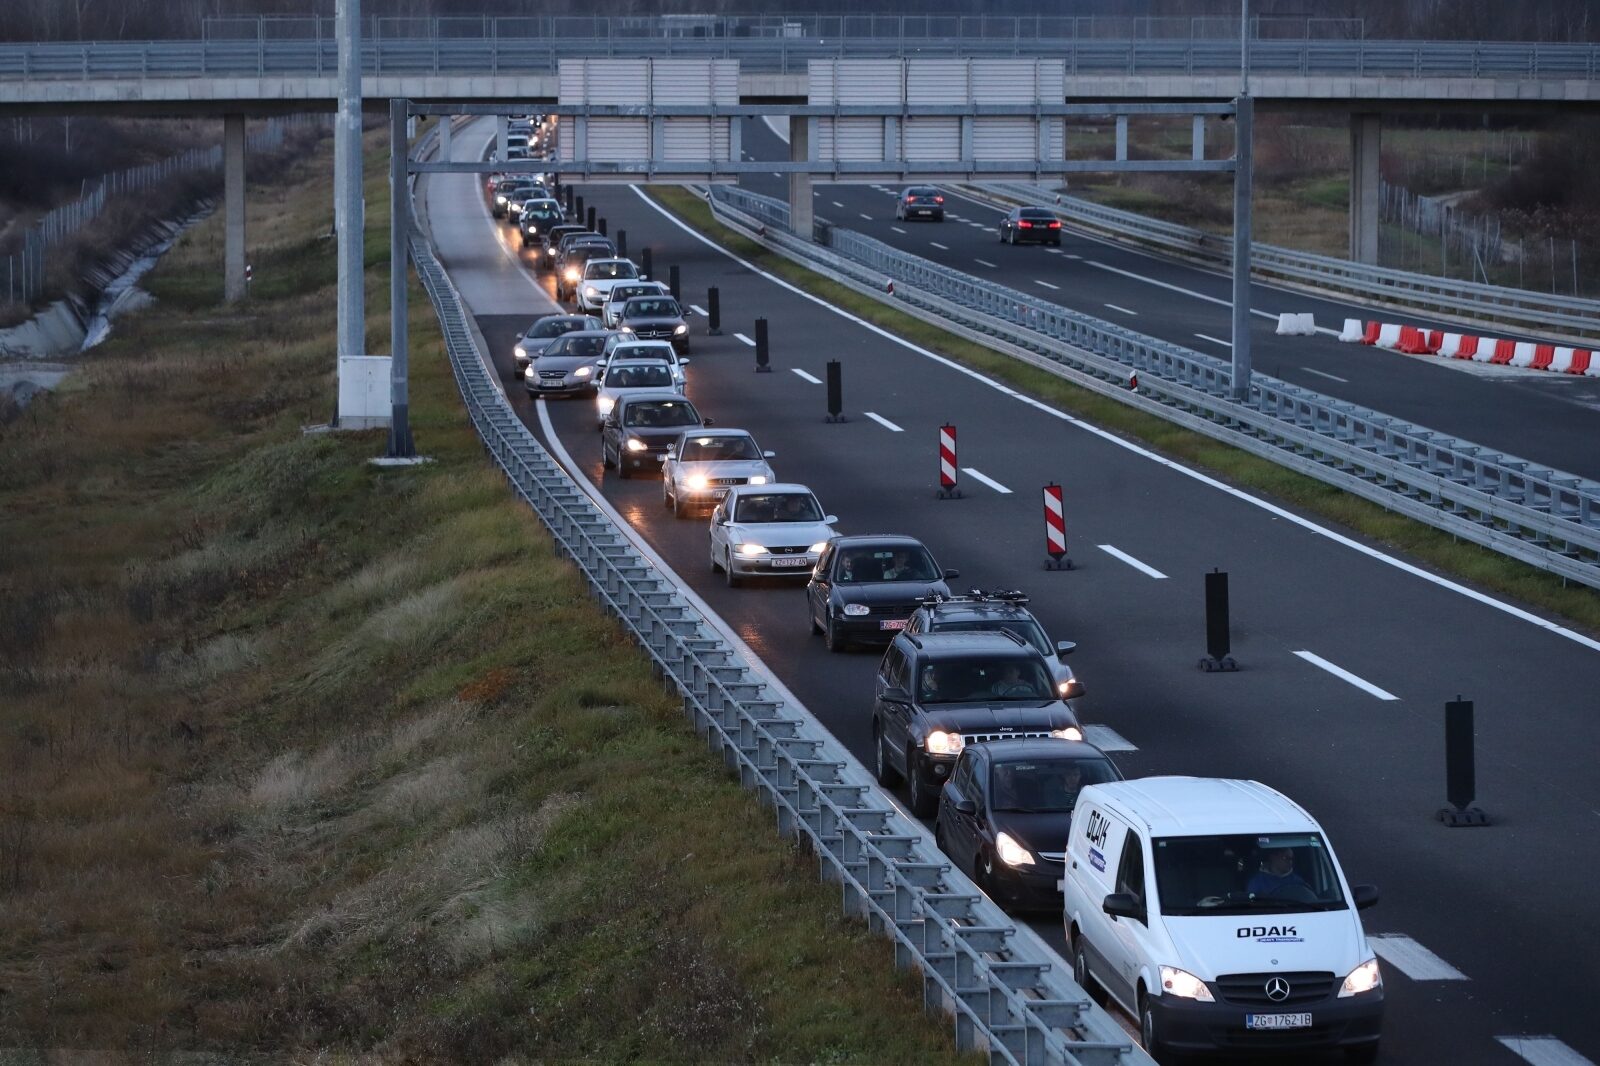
(1006, 991)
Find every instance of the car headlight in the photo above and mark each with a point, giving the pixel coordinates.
(1184, 985)
(759, 479)
(1071, 732)
(817, 547)
(572, 273)
(749, 548)
(635, 444)
(681, 330)
(941, 743)
(605, 403)
(696, 481)
(1011, 853)
(856, 610)
(591, 291)
(583, 371)
(1070, 689)
(520, 352)
(1364, 978)
(499, 199)
(624, 329)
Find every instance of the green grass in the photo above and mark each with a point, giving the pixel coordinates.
(307, 759)
(1440, 551)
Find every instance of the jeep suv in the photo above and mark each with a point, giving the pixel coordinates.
(985, 612)
(939, 692)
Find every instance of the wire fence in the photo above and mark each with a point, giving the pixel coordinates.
(24, 271)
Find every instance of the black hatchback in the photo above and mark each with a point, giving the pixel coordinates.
(1005, 813)
(866, 586)
(920, 201)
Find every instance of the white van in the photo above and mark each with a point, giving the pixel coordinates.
(1215, 912)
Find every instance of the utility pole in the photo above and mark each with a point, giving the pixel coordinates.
(400, 443)
(1243, 121)
(347, 203)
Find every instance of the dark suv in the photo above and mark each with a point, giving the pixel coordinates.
(866, 586)
(987, 612)
(920, 201)
(570, 263)
(938, 693)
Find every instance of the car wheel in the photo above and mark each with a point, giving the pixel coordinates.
(605, 457)
(1148, 1036)
(667, 501)
(830, 638)
(923, 801)
(1365, 1054)
(623, 469)
(715, 566)
(733, 579)
(1056, 242)
(886, 774)
(1002, 235)
(1081, 974)
(815, 629)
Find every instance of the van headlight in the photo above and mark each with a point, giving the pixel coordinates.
(856, 610)
(499, 199)
(1011, 853)
(1184, 985)
(941, 743)
(1071, 732)
(1364, 978)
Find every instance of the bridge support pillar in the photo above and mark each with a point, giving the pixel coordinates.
(445, 130)
(800, 207)
(1366, 137)
(233, 253)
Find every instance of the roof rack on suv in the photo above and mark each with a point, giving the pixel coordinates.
(1014, 597)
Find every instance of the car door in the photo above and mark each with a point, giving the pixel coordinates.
(817, 591)
(966, 835)
(719, 530)
(1124, 948)
(896, 717)
(610, 431)
(1094, 852)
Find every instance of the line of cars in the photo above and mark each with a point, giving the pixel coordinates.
(1020, 225)
(1213, 911)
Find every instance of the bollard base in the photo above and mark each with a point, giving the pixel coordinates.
(1062, 562)
(1213, 665)
(713, 333)
(948, 494)
(1463, 817)
(836, 418)
(763, 370)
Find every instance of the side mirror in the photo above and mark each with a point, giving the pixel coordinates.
(951, 575)
(895, 694)
(966, 806)
(707, 422)
(1123, 905)
(764, 455)
(644, 277)
(830, 520)
(683, 362)
(1065, 647)
(1365, 896)
(519, 335)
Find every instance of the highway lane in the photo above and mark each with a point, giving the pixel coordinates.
(1353, 759)
(1543, 417)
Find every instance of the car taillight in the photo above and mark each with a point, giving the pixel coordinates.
(938, 199)
(1023, 223)
(1055, 225)
(911, 199)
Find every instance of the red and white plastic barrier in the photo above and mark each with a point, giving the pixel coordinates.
(947, 462)
(1296, 324)
(1498, 351)
(1055, 529)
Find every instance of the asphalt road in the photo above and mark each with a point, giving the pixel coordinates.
(1506, 907)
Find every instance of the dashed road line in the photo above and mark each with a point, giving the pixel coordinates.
(807, 377)
(987, 480)
(866, 216)
(941, 247)
(1107, 739)
(884, 422)
(1069, 255)
(1543, 1051)
(985, 262)
(747, 340)
(1412, 959)
(1124, 310)
(1321, 374)
(836, 203)
(1143, 568)
(1179, 288)
(1344, 675)
(697, 309)
(1214, 340)
(897, 229)
(1046, 284)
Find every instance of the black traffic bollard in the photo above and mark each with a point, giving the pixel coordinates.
(1218, 643)
(1460, 771)
(762, 362)
(645, 267)
(622, 243)
(577, 210)
(602, 227)
(568, 198)
(835, 391)
(714, 312)
(672, 280)
(590, 223)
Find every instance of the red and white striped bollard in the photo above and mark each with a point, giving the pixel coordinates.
(1055, 529)
(947, 464)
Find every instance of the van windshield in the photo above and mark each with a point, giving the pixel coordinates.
(1283, 873)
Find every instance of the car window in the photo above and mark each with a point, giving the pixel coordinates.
(984, 679)
(581, 347)
(1282, 873)
(555, 327)
(778, 507)
(660, 413)
(861, 565)
(1130, 872)
(713, 449)
(638, 377)
(644, 351)
(616, 269)
(652, 307)
(1026, 628)
(1037, 213)
(1046, 786)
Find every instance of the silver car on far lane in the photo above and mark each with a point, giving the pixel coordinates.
(701, 467)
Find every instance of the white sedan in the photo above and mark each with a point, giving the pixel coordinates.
(701, 468)
(768, 529)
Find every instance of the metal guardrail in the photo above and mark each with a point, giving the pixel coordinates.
(1543, 517)
(1000, 983)
(272, 57)
(1540, 312)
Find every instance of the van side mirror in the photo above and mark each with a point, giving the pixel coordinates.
(1365, 896)
(1065, 647)
(1123, 905)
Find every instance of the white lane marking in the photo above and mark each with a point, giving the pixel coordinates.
(1069, 255)
(697, 309)
(1143, 568)
(1140, 450)
(897, 229)
(1330, 377)
(977, 225)
(941, 247)
(1543, 1051)
(1179, 288)
(1214, 340)
(1047, 285)
(1412, 959)
(884, 422)
(987, 480)
(747, 340)
(867, 217)
(836, 203)
(1344, 675)
(1107, 739)
(1054, 251)
(985, 262)
(804, 376)
(1124, 310)
(774, 173)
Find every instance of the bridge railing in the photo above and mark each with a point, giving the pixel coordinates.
(1541, 516)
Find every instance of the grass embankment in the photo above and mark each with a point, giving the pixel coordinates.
(1432, 547)
(307, 759)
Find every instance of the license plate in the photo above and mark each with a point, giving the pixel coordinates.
(1277, 1021)
(796, 560)
(892, 623)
